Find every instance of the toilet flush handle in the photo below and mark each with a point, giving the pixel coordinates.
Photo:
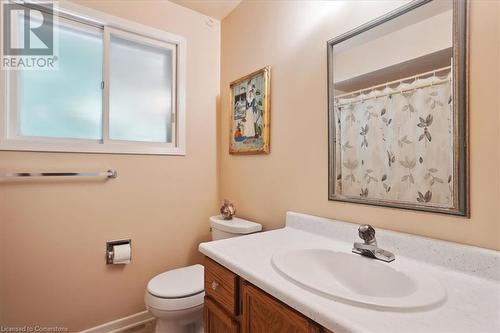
(215, 285)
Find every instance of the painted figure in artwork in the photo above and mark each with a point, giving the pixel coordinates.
(238, 134)
(251, 108)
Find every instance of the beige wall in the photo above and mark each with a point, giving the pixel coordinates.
(52, 235)
(291, 37)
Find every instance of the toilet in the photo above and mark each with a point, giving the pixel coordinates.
(175, 297)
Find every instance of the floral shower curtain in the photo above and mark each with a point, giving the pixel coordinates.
(397, 146)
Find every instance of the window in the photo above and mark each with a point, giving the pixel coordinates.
(118, 88)
(63, 103)
(132, 82)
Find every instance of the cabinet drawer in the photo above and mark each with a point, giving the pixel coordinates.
(222, 285)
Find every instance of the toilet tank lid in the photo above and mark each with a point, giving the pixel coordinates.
(235, 225)
(177, 283)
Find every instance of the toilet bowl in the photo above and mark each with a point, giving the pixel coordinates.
(175, 298)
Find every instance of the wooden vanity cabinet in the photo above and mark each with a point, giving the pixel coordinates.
(233, 305)
(217, 320)
(263, 313)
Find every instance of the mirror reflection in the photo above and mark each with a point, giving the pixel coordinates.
(394, 124)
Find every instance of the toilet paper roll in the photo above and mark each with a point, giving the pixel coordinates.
(121, 254)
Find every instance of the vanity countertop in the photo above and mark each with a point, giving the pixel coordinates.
(470, 275)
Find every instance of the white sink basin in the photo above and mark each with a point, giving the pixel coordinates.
(359, 280)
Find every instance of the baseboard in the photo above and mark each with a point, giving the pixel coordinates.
(122, 324)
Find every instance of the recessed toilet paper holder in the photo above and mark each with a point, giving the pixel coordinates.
(109, 249)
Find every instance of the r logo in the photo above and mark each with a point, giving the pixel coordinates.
(28, 30)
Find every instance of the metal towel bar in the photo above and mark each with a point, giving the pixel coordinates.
(107, 174)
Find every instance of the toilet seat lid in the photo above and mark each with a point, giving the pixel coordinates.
(177, 283)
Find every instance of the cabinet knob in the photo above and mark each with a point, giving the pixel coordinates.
(215, 285)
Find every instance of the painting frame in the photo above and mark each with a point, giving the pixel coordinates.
(461, 45)
(241, 141)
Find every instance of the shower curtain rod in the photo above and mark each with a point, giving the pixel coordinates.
(414, 77)
(435, 83)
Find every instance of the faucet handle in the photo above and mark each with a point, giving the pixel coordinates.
(367, 233)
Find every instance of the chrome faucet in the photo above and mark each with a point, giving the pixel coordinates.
(369, 247)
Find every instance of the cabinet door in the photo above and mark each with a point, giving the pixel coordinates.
(216, 320)
(263, 314)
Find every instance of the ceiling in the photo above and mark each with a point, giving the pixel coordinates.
(217, 9)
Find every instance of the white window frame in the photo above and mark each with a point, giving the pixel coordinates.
(10, 140)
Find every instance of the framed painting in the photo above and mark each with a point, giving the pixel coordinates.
(250, 113)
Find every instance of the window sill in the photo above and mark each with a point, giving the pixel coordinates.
(79, 146)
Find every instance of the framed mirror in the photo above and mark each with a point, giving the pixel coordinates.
(398, 105)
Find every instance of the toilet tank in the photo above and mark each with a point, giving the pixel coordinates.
(222, 229)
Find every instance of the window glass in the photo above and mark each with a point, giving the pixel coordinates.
(140, 92)
(66, 102)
